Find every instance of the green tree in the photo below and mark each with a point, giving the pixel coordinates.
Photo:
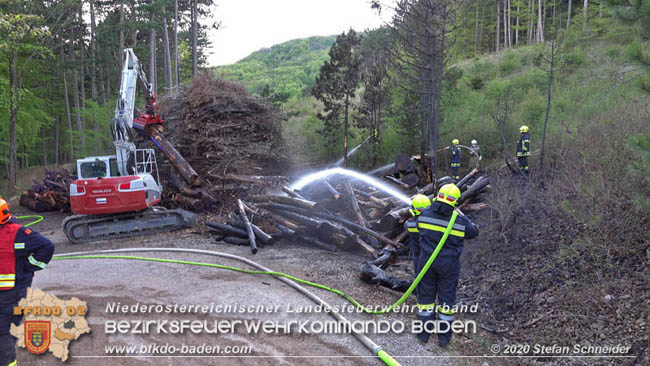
(335, 87)
(20, 34)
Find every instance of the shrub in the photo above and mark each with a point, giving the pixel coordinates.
(574, 59)
(509, 64)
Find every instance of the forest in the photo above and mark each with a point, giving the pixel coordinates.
(62, 67)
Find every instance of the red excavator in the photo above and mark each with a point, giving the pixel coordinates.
(116, 196)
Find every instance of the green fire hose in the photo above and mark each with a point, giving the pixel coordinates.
(289, 279)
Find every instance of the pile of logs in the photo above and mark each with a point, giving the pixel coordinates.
(51, 194)
(227, 136)
(334, 214)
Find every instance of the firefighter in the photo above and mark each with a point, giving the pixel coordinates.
(455, 159)
(523, 149)
(441, 279)
(22, 252)
(418, 203)
(477, 151)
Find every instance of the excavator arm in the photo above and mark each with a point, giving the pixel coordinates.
(147, 123)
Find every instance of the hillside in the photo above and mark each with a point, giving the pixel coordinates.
(288, 68)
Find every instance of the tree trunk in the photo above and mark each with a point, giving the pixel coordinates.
(498, 24)
(43, 144)
(517, 26)
(505, 24)
(476, 31)
(568, 18)
(585, 9)
(56, 143)
(176, 71)
(540, 22)
(152, 57)
(93, 54)
(121, 24)
(530, 21)
(346, 127)
(195, 36)
(66, 101)
(168, 60)
(548, 101)
(82, 67)
(134, 19)
(13, 118)
(75, 96)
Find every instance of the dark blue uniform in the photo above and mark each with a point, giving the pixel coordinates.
(523, 152)
(455, 161)
(32, 253)
(411, 226)
(442, 278)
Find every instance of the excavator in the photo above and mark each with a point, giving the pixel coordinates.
(116, 196)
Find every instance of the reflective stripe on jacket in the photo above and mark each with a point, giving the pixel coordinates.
(8, 255)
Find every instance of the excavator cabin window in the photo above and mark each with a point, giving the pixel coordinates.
(94, 169)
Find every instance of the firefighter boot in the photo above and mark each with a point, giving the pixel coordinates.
(444, 333)
(427, 319)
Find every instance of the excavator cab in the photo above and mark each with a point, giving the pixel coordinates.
(100, 189)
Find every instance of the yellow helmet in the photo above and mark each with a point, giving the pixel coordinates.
(449, 194)
(455, 142)
(523, 129)
(418, 203)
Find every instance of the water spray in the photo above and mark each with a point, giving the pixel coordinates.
(300, 184)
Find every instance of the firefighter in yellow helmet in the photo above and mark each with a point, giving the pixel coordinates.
(523, 149)
(441, 279)
(455, 159)
(22, 252)
(418, 203)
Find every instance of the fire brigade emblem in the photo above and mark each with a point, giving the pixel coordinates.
(37, 336)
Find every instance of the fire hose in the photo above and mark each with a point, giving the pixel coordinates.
(290, 280)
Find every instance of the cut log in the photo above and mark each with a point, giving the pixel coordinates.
(288, 210)
(393, 219)
(235, 240)
(175, 158)
(291, 201)
(372, 274)
(259, 233)
(461, 183)
(352, 199)
(253, 179)
(292, 193)
(249, 228)
(336, 194)
(398, 182)
(475, 188)
(372, 198)
(227, 229)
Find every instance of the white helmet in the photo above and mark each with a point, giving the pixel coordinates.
(474, 142)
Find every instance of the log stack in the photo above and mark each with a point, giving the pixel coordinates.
(333, 214)
(51, 193)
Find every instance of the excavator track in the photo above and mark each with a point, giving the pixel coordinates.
(88, 228)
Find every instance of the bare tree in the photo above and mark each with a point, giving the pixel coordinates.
(195, 36)
(540, 22)
(550, 61)
(498, 24)
(176, 72)
(585, 9)
(168, 61)
(568, 17)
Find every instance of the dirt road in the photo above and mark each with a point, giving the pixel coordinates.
(105, 282)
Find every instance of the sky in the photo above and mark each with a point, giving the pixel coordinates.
(249, 25)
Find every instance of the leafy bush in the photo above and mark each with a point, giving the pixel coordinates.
(574, 59)
(476, 83)
(509, 64)
(533, 107)
(533, 78)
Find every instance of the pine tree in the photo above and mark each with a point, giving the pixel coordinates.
(335, 88)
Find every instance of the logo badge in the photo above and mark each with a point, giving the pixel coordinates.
(37, 335)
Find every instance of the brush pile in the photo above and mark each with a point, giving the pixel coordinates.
(229, 137)
(51, 194)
